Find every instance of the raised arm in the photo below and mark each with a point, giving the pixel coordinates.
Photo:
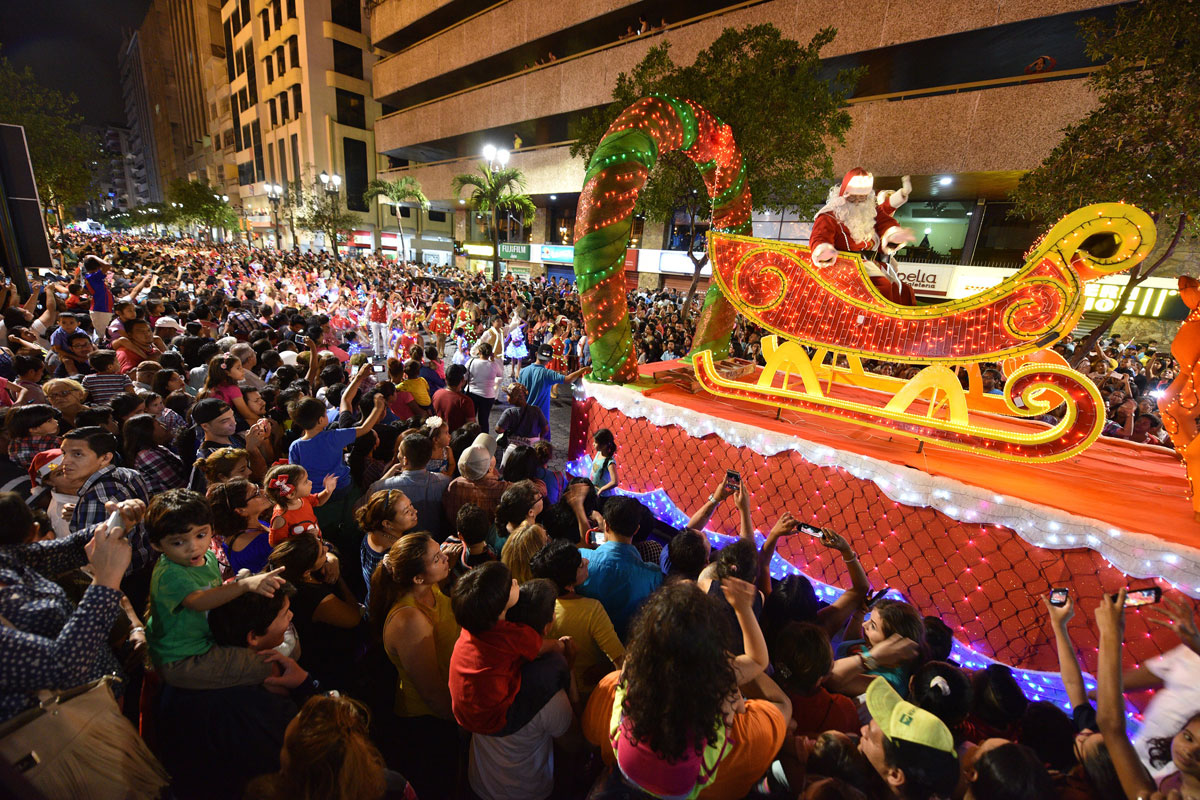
(1110, 699)
(740, 595)
(785, 525)
(1068, 663)
(703, 514)
(834, 615)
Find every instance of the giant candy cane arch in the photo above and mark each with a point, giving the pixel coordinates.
(615, 175)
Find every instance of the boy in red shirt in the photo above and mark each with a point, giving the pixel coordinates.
(803, 659)
(486, 668)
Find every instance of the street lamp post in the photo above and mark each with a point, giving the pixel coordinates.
(496, 159)
(332, 183)
(275, 195)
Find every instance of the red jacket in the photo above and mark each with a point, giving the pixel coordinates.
(485, 674)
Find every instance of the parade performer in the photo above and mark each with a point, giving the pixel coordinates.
(854, 220)
(440, 321)
(558, 343)
(516, 351)
(377, 319)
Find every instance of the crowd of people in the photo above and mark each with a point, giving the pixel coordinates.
(308, 511)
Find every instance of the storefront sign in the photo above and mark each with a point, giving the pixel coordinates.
(927, 280)
(481, 250)
(515, 251)
(561, 254)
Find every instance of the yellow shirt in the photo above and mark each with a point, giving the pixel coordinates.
(418, 388)
(586, 621)
(409, 702)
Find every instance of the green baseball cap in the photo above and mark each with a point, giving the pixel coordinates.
(900, 719)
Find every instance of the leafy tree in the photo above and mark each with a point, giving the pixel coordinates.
(320, 211)
(404, 189)
(201, 204)
(58, 149)
(492, 191)
(785, 116)
(1141, 144)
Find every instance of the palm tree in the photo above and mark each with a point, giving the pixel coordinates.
(500, 189)
(404, 189)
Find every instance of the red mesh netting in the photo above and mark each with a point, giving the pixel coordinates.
(984, 581)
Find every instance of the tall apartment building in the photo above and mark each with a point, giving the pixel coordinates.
(147, 186)
(963, 96)
(299, 104)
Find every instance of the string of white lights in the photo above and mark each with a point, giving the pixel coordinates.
(1138, 555)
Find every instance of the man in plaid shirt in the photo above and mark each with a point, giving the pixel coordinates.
(87, 455)
(240, 323)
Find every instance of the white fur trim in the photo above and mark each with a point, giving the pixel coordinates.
(824, 254)
(861, 184)
(1138, 555)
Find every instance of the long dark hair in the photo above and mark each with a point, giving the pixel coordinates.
(138, 432)
(395, 575)
(679, 631)
(226, 498)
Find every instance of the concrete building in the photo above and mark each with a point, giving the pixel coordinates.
(147, 183)
(299, 103)
(963, 100)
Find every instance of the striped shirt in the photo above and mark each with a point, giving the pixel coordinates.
(104, 386)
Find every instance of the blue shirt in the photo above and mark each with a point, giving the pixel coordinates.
(434, 380)
(424, 490)
(322, 455)
(539, 381)
(620, 580)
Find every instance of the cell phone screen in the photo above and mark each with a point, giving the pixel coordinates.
(810, 530)
(1142, 597)
(1058, 597)
(377, 368)
(733, 479)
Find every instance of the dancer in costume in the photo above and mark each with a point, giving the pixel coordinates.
(377, 319)
(440, 321)
(558, 344)
(516, 351)
(854, 220)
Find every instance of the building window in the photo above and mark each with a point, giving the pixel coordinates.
(246, 173)
(283, 107)
(291, 9)
(351, 109)
(277, 10)
(240, 62)
(347, 59)
(279, 65)
(354, 153)
(346, 13)
(270, 65)
(245, 12)
(294, 51)
(282, 164)
(274, 112)
(297, 104)
(436, 216)
(259, 166)
(245, 136)
(266, 24)
(296, 155)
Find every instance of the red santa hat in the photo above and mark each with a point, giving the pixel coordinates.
(857, 182)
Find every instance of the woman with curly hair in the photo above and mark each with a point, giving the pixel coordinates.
(674, 719)
(519, 505)
(327, 752)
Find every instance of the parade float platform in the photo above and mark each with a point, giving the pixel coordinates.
(974, 540)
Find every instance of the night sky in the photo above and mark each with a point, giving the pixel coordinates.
(72, 46)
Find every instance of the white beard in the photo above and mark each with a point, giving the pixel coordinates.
(859, 218)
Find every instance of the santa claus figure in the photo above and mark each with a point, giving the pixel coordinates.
(854, 220)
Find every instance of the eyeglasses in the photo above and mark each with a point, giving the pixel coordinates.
(60, 394)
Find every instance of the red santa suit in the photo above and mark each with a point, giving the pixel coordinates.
(838, 228)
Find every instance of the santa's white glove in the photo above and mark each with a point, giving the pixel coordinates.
(824, 254)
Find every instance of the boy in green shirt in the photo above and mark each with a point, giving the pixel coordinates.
(185, 585)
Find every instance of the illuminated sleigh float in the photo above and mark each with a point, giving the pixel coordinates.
(836, 312)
